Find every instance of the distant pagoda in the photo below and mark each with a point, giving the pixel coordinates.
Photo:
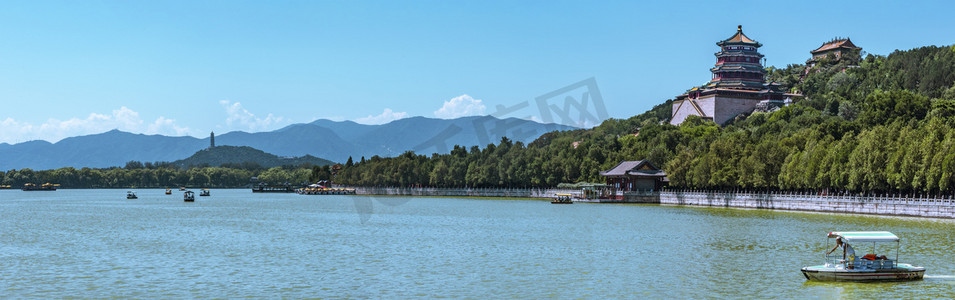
(212, 139)
(738, 85)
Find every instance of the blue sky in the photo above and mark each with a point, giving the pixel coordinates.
(71, 68)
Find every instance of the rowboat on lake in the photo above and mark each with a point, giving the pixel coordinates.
(869, 267)
(188, 196)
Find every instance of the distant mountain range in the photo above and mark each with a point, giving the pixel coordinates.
(219, 155)
(332, 140)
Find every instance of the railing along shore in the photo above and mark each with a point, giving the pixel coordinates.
(921, 205)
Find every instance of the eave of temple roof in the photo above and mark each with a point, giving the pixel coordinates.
(738, 67)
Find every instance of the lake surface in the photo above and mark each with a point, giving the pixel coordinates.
(95, 243)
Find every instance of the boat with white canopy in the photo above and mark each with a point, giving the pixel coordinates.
(878, 264)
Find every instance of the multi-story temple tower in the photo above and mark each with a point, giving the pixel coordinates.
(212, 139)
(737, 84)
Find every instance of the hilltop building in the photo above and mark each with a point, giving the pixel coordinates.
(837, 47)
(738, 85)
(212, 139)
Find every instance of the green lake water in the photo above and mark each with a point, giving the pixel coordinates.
(97, 244)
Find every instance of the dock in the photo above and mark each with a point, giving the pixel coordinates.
(273, 189)
(325, 191)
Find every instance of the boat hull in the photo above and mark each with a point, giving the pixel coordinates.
(902, 273)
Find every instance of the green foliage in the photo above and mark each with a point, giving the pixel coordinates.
(243, 157)
(215, 177)
(882, 123)
(236, 166)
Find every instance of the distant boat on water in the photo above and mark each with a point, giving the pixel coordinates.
(131, 195)
(562, 199)
(188, 196)
(204, 192)
(168, 192)
(265, 188)
(44, 187)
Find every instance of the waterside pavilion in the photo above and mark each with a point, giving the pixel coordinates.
(639, 175)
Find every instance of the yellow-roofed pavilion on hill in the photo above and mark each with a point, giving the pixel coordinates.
(836, 47)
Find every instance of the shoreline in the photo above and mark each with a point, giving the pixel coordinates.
(937, 207)
(887, 205)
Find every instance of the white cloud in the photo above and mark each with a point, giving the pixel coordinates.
(246, 120)
(460, 106)
(163, 126)
(384, 117)
(53, 130)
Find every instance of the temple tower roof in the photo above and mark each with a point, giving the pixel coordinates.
(739, 38)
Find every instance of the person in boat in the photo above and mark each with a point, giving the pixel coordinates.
(848, 254)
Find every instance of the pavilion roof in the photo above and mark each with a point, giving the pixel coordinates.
(836, 43)
(640, 168)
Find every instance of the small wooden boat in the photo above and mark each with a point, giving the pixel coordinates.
(189, 196)
(204, 192)
(870, 267)
(562, 199)
(131, 195)
(168, 192)
(182, 188)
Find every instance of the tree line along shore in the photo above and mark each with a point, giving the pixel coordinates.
(865, 124)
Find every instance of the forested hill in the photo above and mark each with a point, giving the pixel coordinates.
(238, 156)
(879, 123)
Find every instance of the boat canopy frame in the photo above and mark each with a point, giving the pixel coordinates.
(865, 236)
(859, 237)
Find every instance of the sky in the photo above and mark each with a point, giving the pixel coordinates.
(70, 68)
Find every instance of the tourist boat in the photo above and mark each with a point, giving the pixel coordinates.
(189, 196)
(204, 192)
(871, 266)
(182, 188)
(44, 187)
(168, 192)
(562, 199)
(131, 195)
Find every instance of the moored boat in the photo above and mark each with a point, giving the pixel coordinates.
(44, 187)
(188, 196)
(265, 188)
(870, 267)
(562, 199)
